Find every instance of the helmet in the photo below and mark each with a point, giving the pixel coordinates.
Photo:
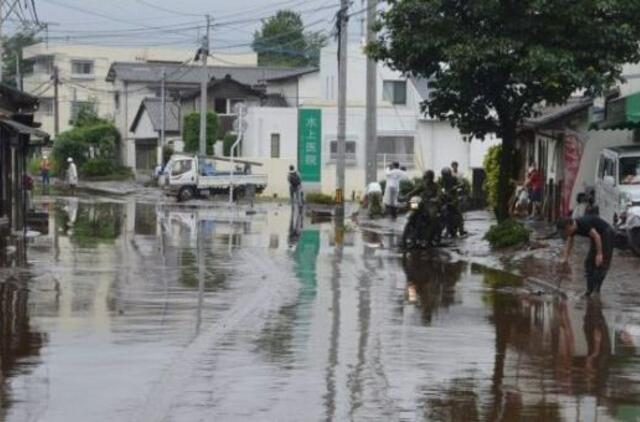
(446, 171)
(69, 160)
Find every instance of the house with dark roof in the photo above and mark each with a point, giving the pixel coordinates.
(18, 133)
(542, 140)
(134, 82)
(146, 130)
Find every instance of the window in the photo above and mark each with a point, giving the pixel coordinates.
(43, 65)
(116, 100)
(81, 68)
(607, 168)
(220, 105)
(630, 171)
(46, 106)
(180, 167)
(275, 145)
(396, 148)
(78, 106)
(350, 150)
(395, 92)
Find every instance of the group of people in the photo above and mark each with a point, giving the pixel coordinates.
(427, 188)
(71, 173)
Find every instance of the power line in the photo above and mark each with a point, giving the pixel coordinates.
(162, 9)
(35, 12)
(105, 16)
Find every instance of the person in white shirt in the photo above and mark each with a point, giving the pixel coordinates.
(392, 190)
(373, 199)
(72, 175)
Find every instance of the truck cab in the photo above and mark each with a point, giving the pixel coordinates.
(618, 182)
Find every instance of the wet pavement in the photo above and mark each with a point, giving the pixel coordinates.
(143, 310)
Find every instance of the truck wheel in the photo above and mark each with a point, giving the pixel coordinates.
(186, 193)
(634, 240)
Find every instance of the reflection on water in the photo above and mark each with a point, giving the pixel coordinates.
(20, 345)
(182, 314)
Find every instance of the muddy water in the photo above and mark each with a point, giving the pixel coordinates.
(151, 312)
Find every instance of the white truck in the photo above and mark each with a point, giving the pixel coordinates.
(189, 176)
(617, 191)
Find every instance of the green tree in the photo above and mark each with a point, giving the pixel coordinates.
(493, 61)
(192, 132)
(12, 51)
(282, 41)
(90, 134)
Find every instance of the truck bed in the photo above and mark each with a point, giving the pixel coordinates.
(224, 180)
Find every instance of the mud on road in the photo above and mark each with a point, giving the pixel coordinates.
(142, 310)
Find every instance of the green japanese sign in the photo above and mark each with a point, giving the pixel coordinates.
(309, 146)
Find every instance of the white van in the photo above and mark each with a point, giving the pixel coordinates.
(618, 190)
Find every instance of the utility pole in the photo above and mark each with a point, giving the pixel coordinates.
(18, 71)
(1, 43)
(371, 135)
(342, 104)
(163, 104)
(204, 53)
(56, 105)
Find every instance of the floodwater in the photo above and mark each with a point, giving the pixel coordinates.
(152, 312)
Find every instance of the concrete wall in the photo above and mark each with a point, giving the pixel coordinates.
(262, 122)
(439, 144)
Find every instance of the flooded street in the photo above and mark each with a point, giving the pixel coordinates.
(144, 311)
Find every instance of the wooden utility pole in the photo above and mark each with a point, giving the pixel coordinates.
(1, 43)
(371, 135)
(342, 103)
(204, 53)
(163, 105)
(56, 102)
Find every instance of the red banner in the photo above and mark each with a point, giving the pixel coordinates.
(573, 149)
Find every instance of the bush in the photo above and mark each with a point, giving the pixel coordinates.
(33, 166)
(191, 132)
(97, 167)
(492, 170)
(65, 147)
(227, 142)
(319, 198)
(506, 234)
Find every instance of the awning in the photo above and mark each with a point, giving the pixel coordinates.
(622, 113)
(24, 129)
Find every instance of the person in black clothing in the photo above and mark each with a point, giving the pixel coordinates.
(602, 238)
(295, 183)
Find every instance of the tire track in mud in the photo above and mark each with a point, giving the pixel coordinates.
(258, 298)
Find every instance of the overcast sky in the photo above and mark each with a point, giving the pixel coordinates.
(171, 22)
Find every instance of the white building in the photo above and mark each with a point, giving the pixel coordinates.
(82, 70)
(404, 133)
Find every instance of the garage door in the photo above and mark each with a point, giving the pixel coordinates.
(146, 158)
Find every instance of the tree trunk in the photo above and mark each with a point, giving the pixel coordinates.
(506, 173)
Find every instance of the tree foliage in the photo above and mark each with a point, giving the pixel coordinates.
(191, 133)
(493, 61)
(12, 52)
(282, 41)
(91, 135)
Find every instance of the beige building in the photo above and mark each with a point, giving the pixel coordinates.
(82, 72)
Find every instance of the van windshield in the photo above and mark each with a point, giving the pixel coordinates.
(630, 171)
